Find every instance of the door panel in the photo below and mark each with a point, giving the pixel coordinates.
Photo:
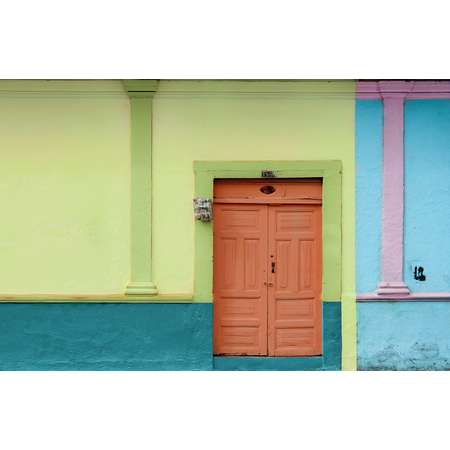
(249, 191)
(240, 278)
(294, 293)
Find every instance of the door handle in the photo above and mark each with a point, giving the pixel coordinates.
(273, 266)
(268, 284)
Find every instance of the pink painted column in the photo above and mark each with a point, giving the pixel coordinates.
(393, 95)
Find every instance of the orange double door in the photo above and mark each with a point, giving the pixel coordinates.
(267, 268)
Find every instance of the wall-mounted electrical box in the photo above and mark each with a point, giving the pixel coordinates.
(203, 209)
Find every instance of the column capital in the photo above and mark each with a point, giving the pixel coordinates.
(140, 88)
(395, 88)
(387, 89)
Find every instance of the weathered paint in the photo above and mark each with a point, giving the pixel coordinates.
(369, 170)
(331, 359)
(106, 337)
(427, 194)
(132, 337)
(65, 197)
(404, 336)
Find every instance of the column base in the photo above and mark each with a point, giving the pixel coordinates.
(141, 288)
(392, 288)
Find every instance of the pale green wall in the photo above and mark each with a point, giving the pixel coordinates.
(65, 175)
(64, 196)
(271, 121)
(215, 126)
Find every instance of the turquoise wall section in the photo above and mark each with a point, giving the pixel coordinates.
(404, 336)
(132, 337)
(427, 194)
(105, 337)
(369, 178)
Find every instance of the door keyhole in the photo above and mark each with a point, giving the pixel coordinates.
(273, 266)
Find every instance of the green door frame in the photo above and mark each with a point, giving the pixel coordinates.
(331, 174)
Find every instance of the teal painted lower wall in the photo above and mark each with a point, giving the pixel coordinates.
(74, 336)
(332, 335)
(105, 337)
(403, 336)
(264, 363)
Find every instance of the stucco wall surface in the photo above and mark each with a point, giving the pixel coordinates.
(106, 337)
(404, 336)
(64, 150)
(369, 190)
(135, 337)
(427, 194)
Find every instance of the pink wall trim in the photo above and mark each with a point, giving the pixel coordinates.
(418, 297)
(392, 225)
(414, 90)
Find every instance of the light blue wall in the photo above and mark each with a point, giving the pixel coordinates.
(404, 336)
(427, 194)
(369, 177)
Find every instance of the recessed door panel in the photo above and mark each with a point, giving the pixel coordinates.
(240, 291)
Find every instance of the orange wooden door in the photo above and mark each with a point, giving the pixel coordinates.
(295, 279)
(267, 268)
(240, 279)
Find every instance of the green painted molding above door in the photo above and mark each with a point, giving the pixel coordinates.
(141, 94)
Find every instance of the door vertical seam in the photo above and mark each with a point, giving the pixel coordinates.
(267, 278)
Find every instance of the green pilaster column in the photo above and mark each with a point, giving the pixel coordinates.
(141, 94)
